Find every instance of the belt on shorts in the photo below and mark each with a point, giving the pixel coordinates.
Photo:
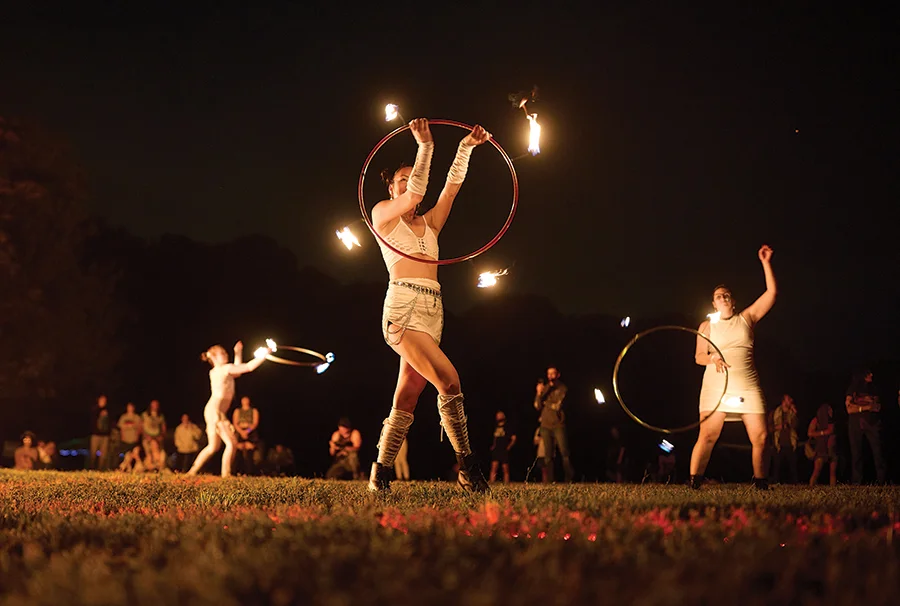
(417, 287)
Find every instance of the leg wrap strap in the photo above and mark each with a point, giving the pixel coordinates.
(453, 420)
(392, 435)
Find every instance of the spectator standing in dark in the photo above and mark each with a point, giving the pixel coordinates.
(785, 418)
(864, 420)
(548, 401)
(98, 455)
(504, 439)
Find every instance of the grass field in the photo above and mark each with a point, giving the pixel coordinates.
(92, 538)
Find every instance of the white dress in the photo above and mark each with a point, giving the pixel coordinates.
(744, 396)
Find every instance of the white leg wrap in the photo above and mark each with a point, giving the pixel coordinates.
(392, 435)
(453, 420)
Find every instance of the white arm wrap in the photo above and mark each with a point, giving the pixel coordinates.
(457, 172)
(418, 178)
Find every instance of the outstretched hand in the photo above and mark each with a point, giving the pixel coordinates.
(477, 136)
(238, 347)
(420, 130)
(765, 253)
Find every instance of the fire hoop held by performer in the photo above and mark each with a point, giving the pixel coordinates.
(732, 332)
(221, 384)
(413, 315)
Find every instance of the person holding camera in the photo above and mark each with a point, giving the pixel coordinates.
(548, 401)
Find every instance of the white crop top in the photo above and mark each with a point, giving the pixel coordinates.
(404, 239)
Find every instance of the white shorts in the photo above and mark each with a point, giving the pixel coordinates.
(412, 304)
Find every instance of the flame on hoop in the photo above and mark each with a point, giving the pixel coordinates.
(260, 352)
(391, 112)
(271, 345)
(714, 317)
(534, 138)
(598, 395)
(348, 238)
(329, 358)
(625, 321)
(489, 278)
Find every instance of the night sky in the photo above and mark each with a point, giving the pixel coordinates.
(675, 143)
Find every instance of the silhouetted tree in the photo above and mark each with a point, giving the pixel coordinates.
(57, 321)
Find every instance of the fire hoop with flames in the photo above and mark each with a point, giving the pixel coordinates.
(471, 255)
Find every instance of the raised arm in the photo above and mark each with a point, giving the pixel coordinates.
(437, 216)
(238, 352)
(764, 303)
(402, 202)
(539, 396)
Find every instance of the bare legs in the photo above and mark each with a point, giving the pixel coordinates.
(756, 431)
(216, 433)
(818, 465)
(421, 362)
(711, 429)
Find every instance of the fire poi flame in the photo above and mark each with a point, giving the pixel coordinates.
(348, 238)
(534, 137)
(391, 112)
(489, 278)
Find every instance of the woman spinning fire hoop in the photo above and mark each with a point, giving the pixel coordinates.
(732, 333)
(221, 383)
(413, 315)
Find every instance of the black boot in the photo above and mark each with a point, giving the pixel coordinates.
(760, 483)
(696, 482)
(380, 478)
(470, 477)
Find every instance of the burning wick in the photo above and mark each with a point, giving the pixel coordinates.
(714, 317)
(625, 321)
(347, 238)
(489, 278)
(534, 138)
(271, 345)
(261, 352)
(598, 395)
(390, 112)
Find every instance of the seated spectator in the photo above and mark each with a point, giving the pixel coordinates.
(26, 455)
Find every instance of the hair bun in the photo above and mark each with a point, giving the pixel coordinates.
(205, 356)
(387, 176)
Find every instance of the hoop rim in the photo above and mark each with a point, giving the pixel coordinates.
(638, 420)
(460, 259)
(280, 360)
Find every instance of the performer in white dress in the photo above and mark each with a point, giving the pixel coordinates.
(732, 333)
(413, 314)
(221, 384)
